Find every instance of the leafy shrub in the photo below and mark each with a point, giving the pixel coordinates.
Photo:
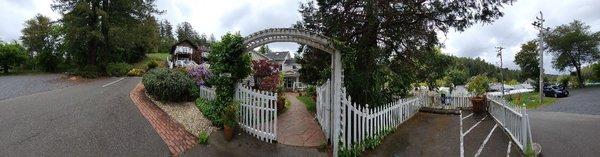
(200, 74)
(203, 138)
(135, 72)
(118, 69)
(311, 90)
(88, 71)
(209, 110)
(564, 80)
(230, 114)
(181, 69)
(478, 85)
(48, 61)
(11, 56)
(168, 85)
(152, 64)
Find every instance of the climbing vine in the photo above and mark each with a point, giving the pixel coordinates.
(229, 64)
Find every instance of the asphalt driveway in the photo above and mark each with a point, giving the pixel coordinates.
(91, 119)
(571, 127)
(580, 101)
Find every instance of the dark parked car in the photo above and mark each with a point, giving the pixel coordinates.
(556, 91)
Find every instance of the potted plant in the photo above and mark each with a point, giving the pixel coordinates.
(478, 85)
(230, 116)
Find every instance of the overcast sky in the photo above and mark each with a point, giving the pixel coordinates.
(247, 16)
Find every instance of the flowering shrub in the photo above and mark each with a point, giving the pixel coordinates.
(200, 74)
(269, 83)
(266, 74)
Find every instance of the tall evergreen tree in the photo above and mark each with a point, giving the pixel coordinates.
(167, 39)
(185, 31)
(108, 30)
(385, 39)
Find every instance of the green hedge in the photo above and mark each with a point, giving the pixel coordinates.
(118, 69)
(209, 110)
(170, 85)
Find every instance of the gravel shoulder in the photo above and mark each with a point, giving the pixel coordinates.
(187, 114)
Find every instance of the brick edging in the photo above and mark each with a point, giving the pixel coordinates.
(173, 134)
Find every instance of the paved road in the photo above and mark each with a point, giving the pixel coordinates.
(14, 86)
(82, 120)
(571, 127)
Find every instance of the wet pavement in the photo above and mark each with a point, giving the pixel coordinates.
(482, 136)
(428, 134)
(246, 145)
(91, 119)
(424, 134)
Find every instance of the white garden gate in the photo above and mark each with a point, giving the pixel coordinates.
(323, 106)
(258, 112)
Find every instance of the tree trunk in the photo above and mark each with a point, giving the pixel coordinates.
(92, 44)
(579, 77)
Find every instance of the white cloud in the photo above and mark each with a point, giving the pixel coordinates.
(515, 28)
(13, 14)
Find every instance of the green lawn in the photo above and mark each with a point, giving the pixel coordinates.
(532, 100)
(308, 102)
(161, 58)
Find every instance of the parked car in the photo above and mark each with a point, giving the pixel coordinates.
(555, 91)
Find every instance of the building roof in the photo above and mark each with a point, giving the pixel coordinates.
(259, 54)
(181, 42)
(290, 61)
(278, 56)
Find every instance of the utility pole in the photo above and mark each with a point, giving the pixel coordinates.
(539, 24)
(500, 48)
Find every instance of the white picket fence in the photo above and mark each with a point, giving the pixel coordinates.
(323, 106)
(207, 93)
(258, 112)
(513, 119)
(360, 122)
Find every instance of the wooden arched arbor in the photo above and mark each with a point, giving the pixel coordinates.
(315, 40)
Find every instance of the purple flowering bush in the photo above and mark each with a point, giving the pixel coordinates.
(200, 74)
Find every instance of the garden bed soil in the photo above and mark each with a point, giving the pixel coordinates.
(187, 114)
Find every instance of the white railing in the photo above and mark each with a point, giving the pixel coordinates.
(453, 101)
(359, 122)
(513, 119)
(323, 106)
(207, 93)
(258, 112)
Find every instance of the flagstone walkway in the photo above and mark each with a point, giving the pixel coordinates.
(297, 126)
